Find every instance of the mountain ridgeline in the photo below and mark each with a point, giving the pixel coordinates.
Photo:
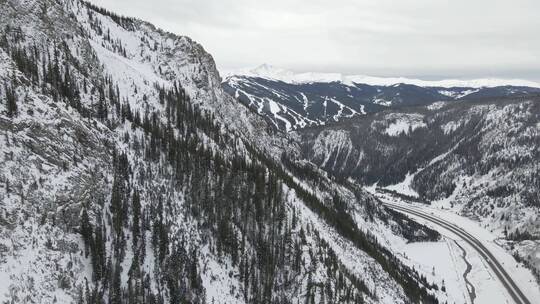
(290, 105)
(130, 176)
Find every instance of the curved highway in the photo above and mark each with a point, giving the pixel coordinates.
(514, 291)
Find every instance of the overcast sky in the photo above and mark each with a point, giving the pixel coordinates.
(422, 38)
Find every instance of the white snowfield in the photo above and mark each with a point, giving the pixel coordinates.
(448, 259)
(274, 73)
(404, 123)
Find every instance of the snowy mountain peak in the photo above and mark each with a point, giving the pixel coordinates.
(265, 71)
(267, 68)
(270, 72)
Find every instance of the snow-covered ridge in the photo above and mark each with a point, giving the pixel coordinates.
(274, 73)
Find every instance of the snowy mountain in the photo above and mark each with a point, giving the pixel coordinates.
(292, 101)
(128, 175)
(270, 72)
(478, 159)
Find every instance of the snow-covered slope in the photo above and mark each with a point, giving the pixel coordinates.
(129, 176)
(293, 101)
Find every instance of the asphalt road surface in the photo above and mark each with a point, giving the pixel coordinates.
(513, 290)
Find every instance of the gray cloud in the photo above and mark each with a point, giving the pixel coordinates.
(435, 38)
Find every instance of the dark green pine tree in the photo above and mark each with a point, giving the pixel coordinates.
(136, 206)
(98, 253)
(160, 236)
(11, 98)
(193, 272)
(116, 285)
(116, 206)
(86, 231)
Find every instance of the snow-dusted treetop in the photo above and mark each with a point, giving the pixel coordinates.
(275, 73)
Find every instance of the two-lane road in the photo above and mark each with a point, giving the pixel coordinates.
(513, 290)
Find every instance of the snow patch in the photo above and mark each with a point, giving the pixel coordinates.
(405, 186)
(404, 123)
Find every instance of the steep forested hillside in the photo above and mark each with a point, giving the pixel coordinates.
(129, 176)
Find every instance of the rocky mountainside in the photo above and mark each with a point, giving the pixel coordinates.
(129, 176)
(479, 159)
(293, 101)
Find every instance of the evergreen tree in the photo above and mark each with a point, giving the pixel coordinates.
(11, 99)
(86, 231)
(117, 205)
(136, 207)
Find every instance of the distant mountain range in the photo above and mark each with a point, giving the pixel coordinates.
(291, 101)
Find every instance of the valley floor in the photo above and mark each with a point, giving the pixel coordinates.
(467, 277)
